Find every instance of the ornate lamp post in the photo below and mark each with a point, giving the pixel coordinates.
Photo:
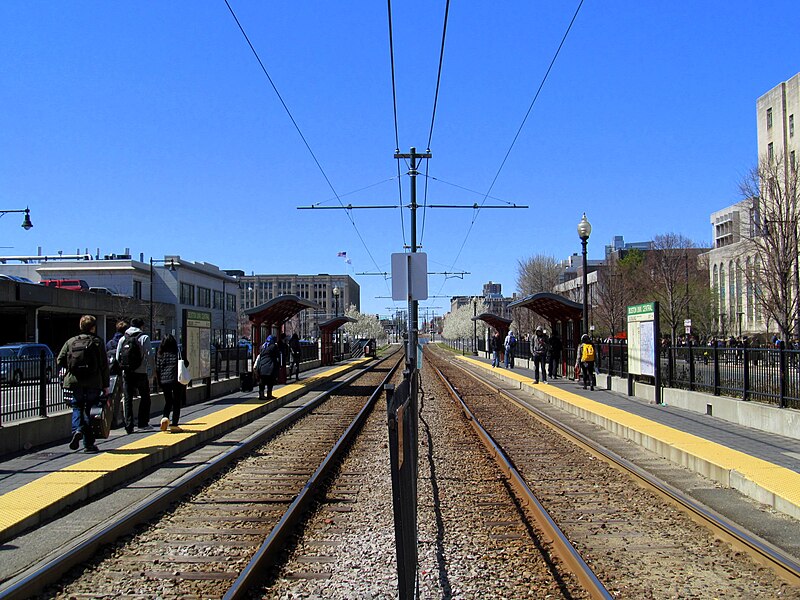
(26, 221)
(335, 301)
(584, 231)
(474, 327)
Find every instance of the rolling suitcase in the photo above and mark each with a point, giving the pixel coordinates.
(100, 417)
(246, 382)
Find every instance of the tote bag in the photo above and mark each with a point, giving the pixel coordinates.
(183, 372)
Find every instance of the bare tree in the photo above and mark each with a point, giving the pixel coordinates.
(539, 273)
(670, 265)
(612, 296)
(773, 240)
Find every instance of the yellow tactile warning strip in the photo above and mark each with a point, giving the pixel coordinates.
(780, 481)
(56, 490)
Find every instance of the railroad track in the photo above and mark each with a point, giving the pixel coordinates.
(213, 541)
(641, 537)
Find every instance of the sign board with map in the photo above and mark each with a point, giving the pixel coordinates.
(643, 336)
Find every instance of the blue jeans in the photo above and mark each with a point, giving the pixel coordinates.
(509, 359)
(496, 358)
(83, 399)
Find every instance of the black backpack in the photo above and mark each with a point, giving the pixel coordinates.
(81, 357)
(130, 352)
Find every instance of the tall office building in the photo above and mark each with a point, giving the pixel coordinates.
(778, 111)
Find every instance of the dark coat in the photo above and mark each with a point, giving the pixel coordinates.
(269, 361)
(167, 367)
(98, 380)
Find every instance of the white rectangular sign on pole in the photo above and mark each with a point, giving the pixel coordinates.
(409, 276)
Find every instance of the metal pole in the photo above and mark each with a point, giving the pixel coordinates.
(413, 305)
(585, 287)
(151, 296)
(224, 299)
(474, 327)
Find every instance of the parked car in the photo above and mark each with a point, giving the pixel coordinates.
(101, 290)
(22, 362)
(16, 278)
(78, 285)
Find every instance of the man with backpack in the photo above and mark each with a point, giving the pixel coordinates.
(539, 349)
(84, 359)
(266, 367)
(584, 358)
(133, 352)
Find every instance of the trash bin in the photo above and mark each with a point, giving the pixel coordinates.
(246, 382)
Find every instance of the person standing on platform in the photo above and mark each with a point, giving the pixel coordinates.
(86, 364)
(584, 358)
(510, 346)
(555, 355)
(497, 348)
(266, 367)
(539, 352)
(294, 364)
(174, 391)
(133, 361)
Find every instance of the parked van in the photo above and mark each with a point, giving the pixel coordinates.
(78, 285)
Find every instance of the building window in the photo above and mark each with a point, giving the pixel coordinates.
(232, 302)
(770, 152)
(187, 294)
(204, 297)
(791, 125)
(769, 118)
(217, 300)
(137, 290)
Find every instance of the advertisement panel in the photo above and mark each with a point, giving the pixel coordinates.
(197, 342)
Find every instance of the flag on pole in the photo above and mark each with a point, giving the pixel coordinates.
(342, 255)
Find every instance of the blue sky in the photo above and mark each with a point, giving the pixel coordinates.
(150, 126)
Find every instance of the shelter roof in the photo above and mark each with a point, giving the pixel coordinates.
(551, 306)
(334, 323)
(279, 310)
(495, 321)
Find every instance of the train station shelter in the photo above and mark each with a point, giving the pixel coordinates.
(271, 316)
(563, 315)
(327, 329)
(500, 324)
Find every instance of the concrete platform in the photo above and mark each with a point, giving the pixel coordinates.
(38, 485)
(760, 464)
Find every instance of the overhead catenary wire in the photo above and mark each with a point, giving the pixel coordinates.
(519, 130)
(297, 127)
(396, 126)
(433, 118)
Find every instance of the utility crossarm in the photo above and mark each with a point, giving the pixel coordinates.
(474, 206)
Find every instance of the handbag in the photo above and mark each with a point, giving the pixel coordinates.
(184, 376)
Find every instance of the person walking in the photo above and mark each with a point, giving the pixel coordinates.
(555, 355)
(133, 352)
(539, 347)
(86, 364)
(174, 391)
(510, 346)
(266, 367)
(294, 364)
(497, 348)
(584, 358)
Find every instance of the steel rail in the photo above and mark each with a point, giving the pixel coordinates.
(762, 551)
(34, 581)
(269, 552)
(563, 547)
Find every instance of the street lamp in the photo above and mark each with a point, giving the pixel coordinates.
(171, 268)
(26, 221)
(584, 231)
(474, 327)
(335, 301)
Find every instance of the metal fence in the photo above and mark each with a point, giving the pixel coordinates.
(29, 387)
(768, 375)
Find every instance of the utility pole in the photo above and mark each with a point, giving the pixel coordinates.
(413, 306)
